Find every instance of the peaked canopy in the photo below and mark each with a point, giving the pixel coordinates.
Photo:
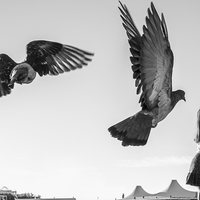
(174, 190)
(138, 192)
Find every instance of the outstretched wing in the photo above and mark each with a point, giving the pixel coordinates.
(152, 58)
(156, 60)
(134, 39)
(6, 66)
(53, 58)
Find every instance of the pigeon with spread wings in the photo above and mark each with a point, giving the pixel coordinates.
(43, 57)
(152, 63)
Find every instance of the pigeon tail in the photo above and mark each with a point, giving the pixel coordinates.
(134, 130)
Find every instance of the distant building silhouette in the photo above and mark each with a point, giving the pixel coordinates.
(6, 194)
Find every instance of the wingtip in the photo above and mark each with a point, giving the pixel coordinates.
(164, 25)
(123, 7)
(152, 5)
(5, 89)
(162, 17)
(148, 11)
(153, 8)
(88, 53)
(120, 4)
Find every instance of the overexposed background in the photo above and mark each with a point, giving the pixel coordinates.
(54, 138)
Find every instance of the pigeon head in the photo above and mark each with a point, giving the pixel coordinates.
(22, 73)
(177, 96)
(180, 95)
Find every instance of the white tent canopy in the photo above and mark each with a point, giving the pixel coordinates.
(174, 190)
(138, 192)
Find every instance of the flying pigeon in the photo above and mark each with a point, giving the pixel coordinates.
(43, 57)
(152, 63)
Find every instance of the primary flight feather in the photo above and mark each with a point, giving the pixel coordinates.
(152, 64)
(43, 57)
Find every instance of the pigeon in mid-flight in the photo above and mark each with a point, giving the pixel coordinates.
(152, 64)
(43, 57)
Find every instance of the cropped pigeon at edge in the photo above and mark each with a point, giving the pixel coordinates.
(43, 57)
(152, 64)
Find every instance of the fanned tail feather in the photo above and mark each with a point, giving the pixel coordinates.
(134, 130)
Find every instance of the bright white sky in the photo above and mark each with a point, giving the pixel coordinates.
(54, 138)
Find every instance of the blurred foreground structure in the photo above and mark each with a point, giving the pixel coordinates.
(173, 192)
(6, 194)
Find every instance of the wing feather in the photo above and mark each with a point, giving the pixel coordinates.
(151, 56)
(156, 59)
(134, 39)
(6, 66)
(54, 58)
(65, 62)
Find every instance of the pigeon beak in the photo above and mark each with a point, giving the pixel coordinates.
(13, 79)
(184, 99)
(15, 76)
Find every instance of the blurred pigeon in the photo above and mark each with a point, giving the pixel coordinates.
(43, 57)
(152, 63)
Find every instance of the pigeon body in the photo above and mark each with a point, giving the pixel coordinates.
(43, 58)
(152, 64)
